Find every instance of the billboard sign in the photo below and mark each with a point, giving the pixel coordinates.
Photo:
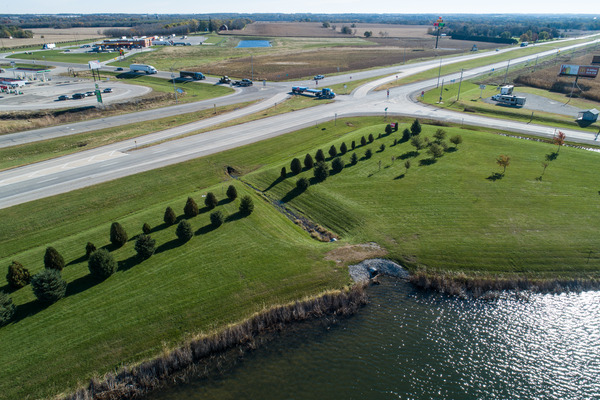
(94, 64)
(585, 71)
(596, 60)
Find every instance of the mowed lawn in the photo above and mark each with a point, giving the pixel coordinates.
(445, 216)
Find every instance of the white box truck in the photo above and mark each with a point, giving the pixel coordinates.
(148, 69)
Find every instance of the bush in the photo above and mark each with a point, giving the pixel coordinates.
(170, 218)
(435, 150)
(379, 136)
(308, 162)
(417, 142)
(363, 141)
(191, 208)
(343, 148)
(184, 231)
(216, 219)
(320, 157)
(353, 145)
(406, 135)
(321, 171)
(302, 184)
(49, 286)
(337, 165)
(7, 309)
(232, 192)
(332, 151)
(353, 159)
(439, 135)
(211, 200)
(283, 173)
(415, 128)
(368, 153)
(146, 228)
(456, 140)
(102, 264)
(388, 129)
(118, 236)
(53, 260)
(296, 166)
(246, 205)
(371, 138)
(381, 148)
(89, 249)
(17, 276)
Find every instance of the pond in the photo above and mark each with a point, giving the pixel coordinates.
(254, 43)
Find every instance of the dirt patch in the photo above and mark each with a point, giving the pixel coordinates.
(352, 253)
(50, 35)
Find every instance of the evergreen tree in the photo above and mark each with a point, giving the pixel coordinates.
(388, 129)
(308, 161)
(363, 141)
(146, 228)
(216, 219)
(184, 231)
(89, 249)
(321, 171)
(49, 286)
(211, 200)
(353, 159)
(371, 138)
(296, 166)
(302, 184)
(337, 165)
(320, 156)
(145, 246)
(415, 128)
(406, 135)
(170, 218)
(368, 153)
(232, 192)
(7, 309)
(343, 148)
(283, 173)
(353, 145)
(17, 276)
(246, 206)
(332, 151)
(102, 264)
(118, 236)
(191, 208)
(53, 260)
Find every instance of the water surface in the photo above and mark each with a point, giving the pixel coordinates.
(254, 43)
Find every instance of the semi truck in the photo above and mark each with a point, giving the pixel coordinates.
(148, 69)
(197, 76)
(509, 100)
(324, 93)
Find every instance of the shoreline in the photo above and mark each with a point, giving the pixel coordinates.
(136, 380)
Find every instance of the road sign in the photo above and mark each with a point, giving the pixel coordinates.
(481, 87)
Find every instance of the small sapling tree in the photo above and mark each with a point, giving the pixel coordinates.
(118, 236)
(503, 161)
(559, 140)
(439, 135)
(169, 218)
(191, 208)
(308, 162)
(53, 259)
(456, 140)
(320, 156)
(417, 142)
(296, 166)
(232, 193)
(210, 200)
(435, 150)
(283, 173)
(246, 205)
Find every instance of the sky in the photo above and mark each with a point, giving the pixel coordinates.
(306, 6)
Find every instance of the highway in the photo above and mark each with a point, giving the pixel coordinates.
(87, 168)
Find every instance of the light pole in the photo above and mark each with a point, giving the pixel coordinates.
(506, 74)
(173, 79)
(439, 73)
(459, 83)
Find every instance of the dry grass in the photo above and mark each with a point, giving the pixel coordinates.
(50, 35)
(354, 253)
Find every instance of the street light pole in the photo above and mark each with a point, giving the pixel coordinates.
(506, 74)
(459, 83)
(173, 79)
(439, 73)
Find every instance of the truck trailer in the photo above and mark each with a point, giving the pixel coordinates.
(324, 93)
(191, 74)
(148, 69)
(509, 100)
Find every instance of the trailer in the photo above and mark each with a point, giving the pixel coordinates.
(48, 46)
(148, 69)
(507, 90)
(197, 76)
(507, 100)
(324, 93)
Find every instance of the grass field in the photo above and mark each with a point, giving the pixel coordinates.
(443, 215)
(61, 37)
(60, 56)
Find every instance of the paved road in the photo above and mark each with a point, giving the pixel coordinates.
(84, 169)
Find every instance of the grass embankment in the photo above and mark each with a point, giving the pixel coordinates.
(444, 216)
(61, 56)
(21, 65)
(471, 102)
(161, 96)
(29, 153)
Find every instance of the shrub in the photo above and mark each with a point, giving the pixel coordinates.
(216, 219)
(145, 246)
(7, 309)
(118, 236)
(353, 145)
(89, 249)
(371, 138)
(435, 150)
(308, 162)
(232, 192)
(388, 129)
(379, 136)
(53, 260)
(296, 166)
(49, 286)
(184, 231)
(17, 276)
(382, 147)
(302, 184)
(283, 173)
(170, 218)
(191, 208)
(456, 140)
(417, 142)
(320, 156)
(146, 228)
(332, 151)
(406, 135)
(102, 264)
(353, 159)
(211, 200)
(343, 148)
(363, 141)
(246, 205)
(368, 153)
(396, 127)
(337, 165)
(415, 128)
(439, 135)
(321, 171)
(395, 142)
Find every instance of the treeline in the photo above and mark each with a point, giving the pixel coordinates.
(7, 31)
(179, 27)
(524, 31)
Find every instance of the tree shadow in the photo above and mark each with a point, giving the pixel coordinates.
(77, 260)
(81, 284)
(234, 217)
(278, 180)
(170, 245)
(401, 176)
(129, 263)
(291, 195)
(427, 161)
(206, 229)
(314, 181)
(29, 309)
(159, 227)
(451, 149)
(495, 176)
(552, 156)
(110, 247)
(408, 154)
(204, 210)
(224, 201)
(7, 289)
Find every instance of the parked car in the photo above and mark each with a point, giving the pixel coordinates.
(317, 77)
(118, 69)
(78, 96)
(107, 90)
(63, 97)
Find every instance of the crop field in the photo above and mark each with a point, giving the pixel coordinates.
(50, 35)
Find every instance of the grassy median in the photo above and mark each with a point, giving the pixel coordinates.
(457, 213)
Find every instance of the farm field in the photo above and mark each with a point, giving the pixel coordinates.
(441, 214)
(57, 36)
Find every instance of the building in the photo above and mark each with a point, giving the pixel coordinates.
(588, 115)
(126, 43)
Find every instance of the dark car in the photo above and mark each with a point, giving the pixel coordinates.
(78, 96)
(317, 77)
(243, 82)
(107, 90)
(119, 69)
(63, 97)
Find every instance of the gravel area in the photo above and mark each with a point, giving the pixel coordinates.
(368, 269)
(540, 103)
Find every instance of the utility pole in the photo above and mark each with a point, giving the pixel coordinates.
(441, 90)
(459, 83)
(506, 74)
(252, 66)
(439, 73)
(173, 79)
